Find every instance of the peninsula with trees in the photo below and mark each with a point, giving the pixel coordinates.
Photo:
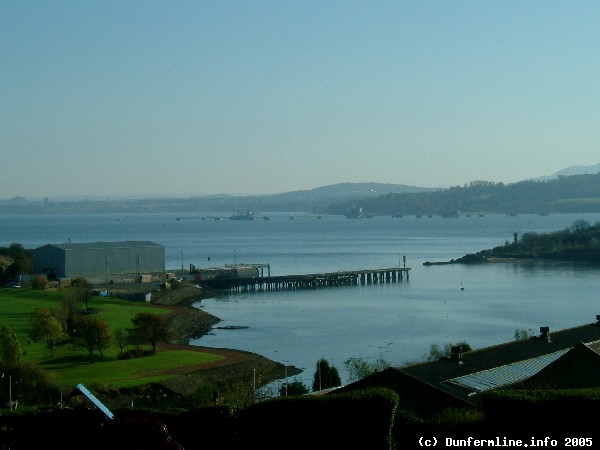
(578, 243)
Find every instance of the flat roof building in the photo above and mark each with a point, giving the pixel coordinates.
(99, 261)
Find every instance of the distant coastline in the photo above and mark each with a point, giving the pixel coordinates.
(563, 195)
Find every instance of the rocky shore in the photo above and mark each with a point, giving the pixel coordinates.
(186, 322)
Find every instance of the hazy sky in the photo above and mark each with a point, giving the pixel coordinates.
(128, 97)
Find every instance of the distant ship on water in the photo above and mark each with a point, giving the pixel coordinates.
(357, 213)
(243, 215)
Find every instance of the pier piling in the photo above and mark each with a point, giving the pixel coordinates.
(311, 281)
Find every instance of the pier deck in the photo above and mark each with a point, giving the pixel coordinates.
(310, 281)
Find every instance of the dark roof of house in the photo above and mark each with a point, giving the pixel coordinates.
(467, 363)
(546, 359)
(505, 375)
(577, 369)
(100, 244)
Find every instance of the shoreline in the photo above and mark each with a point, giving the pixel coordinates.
(187, 322)
(491, 260)
(196, 383)
(498, 259)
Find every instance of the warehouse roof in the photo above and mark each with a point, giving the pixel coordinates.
(92, 245)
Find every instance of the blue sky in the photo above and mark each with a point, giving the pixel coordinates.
(111, 98)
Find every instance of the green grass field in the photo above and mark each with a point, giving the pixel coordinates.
(71, 365)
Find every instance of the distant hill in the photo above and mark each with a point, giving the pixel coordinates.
(345, 191)
(364, 189)
(560, 192)
(316, 200)
(572, 170)
(565, 194)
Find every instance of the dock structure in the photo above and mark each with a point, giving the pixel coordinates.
(310, 281)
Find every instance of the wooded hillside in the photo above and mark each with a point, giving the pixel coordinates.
(572, 194)
(578, 243)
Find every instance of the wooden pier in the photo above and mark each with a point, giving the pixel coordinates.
(310, 281)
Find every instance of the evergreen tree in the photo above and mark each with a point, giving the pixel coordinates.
(326, 376)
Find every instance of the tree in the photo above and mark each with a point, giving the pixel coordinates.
(326, 376)
(296, 387)
(148, 328)
(84, 291)
(39, 282)
(120, 336)
(580, 225)
(522, 334)
(45, 327)
(22, 260)
(62, 314)
(67, 308)
(10, 348)
(436, 351)
(103, 336)
(358, 368)
(30, 385)
(71, 297)
(91, 333)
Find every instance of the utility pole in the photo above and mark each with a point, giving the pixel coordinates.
(319, 370)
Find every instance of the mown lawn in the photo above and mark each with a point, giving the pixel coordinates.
(71, 365)
(121, 373)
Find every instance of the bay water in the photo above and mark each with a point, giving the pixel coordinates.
(397, 322)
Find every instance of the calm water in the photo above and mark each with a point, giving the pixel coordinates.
(397, 322)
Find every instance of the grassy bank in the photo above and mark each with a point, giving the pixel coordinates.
(70, 365)
(177, 367)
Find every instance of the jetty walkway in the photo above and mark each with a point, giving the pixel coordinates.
(310, 281)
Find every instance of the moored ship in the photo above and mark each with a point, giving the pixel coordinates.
(355, 213)
(243, 215)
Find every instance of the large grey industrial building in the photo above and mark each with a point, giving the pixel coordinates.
(100, 262)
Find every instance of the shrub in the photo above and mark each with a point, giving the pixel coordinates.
(135, 353)
(39, 282)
